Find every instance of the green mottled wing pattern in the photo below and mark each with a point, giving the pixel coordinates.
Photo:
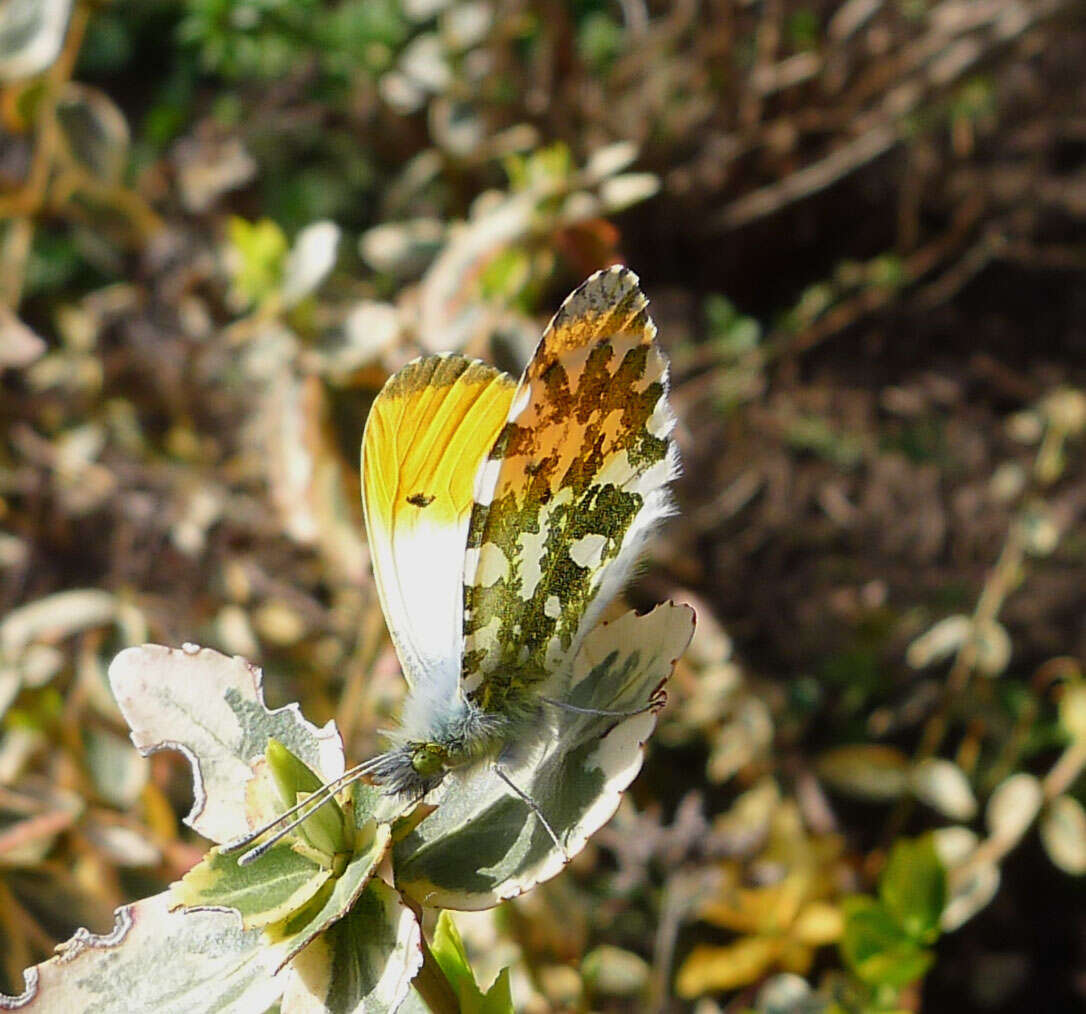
(573, 484)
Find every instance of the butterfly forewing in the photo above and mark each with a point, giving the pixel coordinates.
(426, 437)
(571, 486)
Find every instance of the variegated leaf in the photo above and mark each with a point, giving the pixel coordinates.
(342, 893)
(211, 708)
(363, 964)
(157, 960)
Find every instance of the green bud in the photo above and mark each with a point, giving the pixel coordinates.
(325, 828)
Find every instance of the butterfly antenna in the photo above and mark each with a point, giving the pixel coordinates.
(534, 807)
(310, 804)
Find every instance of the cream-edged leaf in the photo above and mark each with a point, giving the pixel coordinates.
(865, 770)
(31, 34)
(47, 620)
(211, 708)
(311, 258)
(1063, 833)
(363, 964)
(157, 960)
(261, 893)
(969, 892)
(1013, 806)
(19, 346)
(944, 786)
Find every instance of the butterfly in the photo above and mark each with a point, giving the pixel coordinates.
(502, 518)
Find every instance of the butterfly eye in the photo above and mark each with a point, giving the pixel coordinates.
(428, 759)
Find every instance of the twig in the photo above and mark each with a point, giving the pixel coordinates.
(681, 891)
(962, 35)
(810, 180)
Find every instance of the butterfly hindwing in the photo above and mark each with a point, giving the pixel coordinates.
(426, 436)
(572, 485)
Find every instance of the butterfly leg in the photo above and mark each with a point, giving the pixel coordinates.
(655, 702)
(533, 806)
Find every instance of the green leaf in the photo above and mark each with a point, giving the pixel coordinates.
(913, 887)
(449, 951)
(262, 252)
(506, 274)
(877, 949)
(282, 881)
(1073, 711)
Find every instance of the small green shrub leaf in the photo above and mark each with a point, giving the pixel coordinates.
(877, 948)
(261, 252)
(1073, 711)
(913, 887)
(325, 830)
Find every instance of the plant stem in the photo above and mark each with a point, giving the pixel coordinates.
(1000, 582)
(1004, 575)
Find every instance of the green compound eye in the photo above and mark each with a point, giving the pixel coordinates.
(428, 758)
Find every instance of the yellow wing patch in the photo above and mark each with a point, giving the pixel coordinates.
(572, 485)
(426, 436)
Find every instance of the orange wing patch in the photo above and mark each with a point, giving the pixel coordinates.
(573, 484)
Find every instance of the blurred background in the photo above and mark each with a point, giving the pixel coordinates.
(223, 223)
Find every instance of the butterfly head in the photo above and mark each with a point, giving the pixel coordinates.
(453, 739)
(429, 760)
(411, 769)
